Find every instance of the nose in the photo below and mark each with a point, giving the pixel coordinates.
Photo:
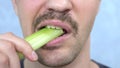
(59, 5)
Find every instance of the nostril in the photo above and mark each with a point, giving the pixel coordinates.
(50, 9)
(66, 11)
(63, 11)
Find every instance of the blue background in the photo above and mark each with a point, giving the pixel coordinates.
(105, 37)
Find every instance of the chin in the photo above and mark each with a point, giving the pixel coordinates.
(57, 57)
(56, 60)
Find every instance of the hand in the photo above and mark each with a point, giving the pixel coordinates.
(9, 44)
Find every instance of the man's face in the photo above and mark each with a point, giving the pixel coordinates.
(75, 17)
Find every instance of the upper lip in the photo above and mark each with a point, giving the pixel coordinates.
(66, 27)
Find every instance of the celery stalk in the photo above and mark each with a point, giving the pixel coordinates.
(42, 37)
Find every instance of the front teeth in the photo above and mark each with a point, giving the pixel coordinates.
(53, 27)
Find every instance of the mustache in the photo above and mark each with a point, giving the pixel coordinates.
(62, 16)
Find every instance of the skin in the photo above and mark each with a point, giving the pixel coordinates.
(79, 17)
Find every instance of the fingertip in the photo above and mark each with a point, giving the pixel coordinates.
(33, 56)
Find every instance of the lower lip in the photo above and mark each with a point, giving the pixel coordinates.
(58, 41)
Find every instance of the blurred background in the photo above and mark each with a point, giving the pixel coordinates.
(105, 37)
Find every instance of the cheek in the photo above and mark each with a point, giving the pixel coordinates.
(85, 12)
(27, 11)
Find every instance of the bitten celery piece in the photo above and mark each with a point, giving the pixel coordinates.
(42, 37)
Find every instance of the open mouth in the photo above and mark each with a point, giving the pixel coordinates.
(56, 25)
(65, 31)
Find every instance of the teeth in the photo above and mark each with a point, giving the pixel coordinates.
(53, 27)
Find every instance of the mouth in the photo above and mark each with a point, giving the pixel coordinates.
(55, 24)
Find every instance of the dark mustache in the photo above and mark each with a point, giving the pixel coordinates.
(64, 17)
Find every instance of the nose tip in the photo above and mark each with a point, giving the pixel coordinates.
(59, 5)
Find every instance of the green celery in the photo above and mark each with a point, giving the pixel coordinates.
(40, 38)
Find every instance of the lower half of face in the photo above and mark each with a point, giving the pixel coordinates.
(66, 48)
(76, 25)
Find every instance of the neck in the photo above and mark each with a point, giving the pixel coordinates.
(82, 61)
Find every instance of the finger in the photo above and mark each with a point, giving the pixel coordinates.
(21, 45)
(4, 62)
(8, 49)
